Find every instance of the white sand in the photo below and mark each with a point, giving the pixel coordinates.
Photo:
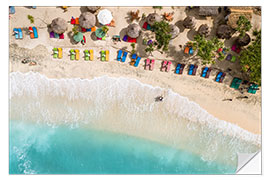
(209, 94)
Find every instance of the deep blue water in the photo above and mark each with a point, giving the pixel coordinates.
(41, 149)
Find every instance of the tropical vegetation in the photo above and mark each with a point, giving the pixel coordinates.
(243, 25)
(31, 18)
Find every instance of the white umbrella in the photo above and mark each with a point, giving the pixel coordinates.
(104, 17)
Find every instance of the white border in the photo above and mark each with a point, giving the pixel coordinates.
(265, 82)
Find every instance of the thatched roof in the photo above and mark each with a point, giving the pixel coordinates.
(152, 18)
(189, 22)
(239, 11)
(224, 31)
(204, 30)
(243, 41)
(133, 30)
(174, 31)
(208, 10)
(59, 25)
(93, 8)
(87, 20)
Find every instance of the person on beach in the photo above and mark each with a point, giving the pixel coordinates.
(159, 98)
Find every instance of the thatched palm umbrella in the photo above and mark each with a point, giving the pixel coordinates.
(152, 18)
(224, 31)
(87, 20)
(174, 31)
(93, 8)
(133, 30)
(59, 25)
(204, 30)
(189, 22)
(243, 41)
(208, 10)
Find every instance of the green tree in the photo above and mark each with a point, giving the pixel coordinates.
(150, 48)
(250, 59)
(243, 25)
(162, 33)
(207, 49)
(31, 18)
(133, 48)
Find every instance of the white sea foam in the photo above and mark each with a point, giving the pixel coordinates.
(76, 101)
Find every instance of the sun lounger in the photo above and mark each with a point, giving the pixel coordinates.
(16, 33)
(60, 53)
(137, 61)
(190, 51)
(56, 35)
(91, 54)
(119, 54)
(107, 55)
(182, 68)
(152, 64)
(190, 71)
(194, 70)
(72, 54)
(147, 64)
(133, 59)
(168, 66)
(86, 55)
(103, 56)
(208, 73)
(55, 52)
(125, 38)
(124, 56)
(253, 88)
(186, 51)
(132, 40)
(177, 69)
(204, 72)
(35, 32)
(77, 55)
(31, 32)
(77, 21)
(233, 59)
(236, 83)
(51, 34)
(20, 33)
(229, 57)
(164, 64)
(146, 26)
(61, 36)
(220, 77)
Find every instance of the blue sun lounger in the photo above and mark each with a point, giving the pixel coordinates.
(190, 71)
(35, 32)
(204, 71)
(124, 56)
(16, 33)
(177, 70)
(20, 33)
(137, 61)
(119, 54)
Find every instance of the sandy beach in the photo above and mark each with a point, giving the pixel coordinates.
(209, 94)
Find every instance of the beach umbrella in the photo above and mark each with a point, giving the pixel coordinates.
(78, 37)
(189, 22)
(87, 20)
(59, 25)
(104, 17)
(208, 10)
(100, 33)
(93, 8)
(152, 18)
(204, 30)
(133, 30)
(174, 31)
(224, 31)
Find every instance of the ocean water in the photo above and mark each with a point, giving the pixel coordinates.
(113, 126)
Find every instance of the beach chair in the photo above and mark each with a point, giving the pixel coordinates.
(35, 32)
(77, 21)
(119, 54)
(253, 88)
(103, 56)
(56, 35)
(208, 73)
(182, 68)
(31, 32)
(61, 36)
(51, 34)
(236, 83)
(177, 69)
(16, 33)
(220, 77)
(86, 55)
(107, 55)
(204, 71)
(133, 59)
(55, 53)
(190, 71)
(168, 67)
(124, 56)
(147, 64)
(20, 33)
(72, 54)
(91, 54)
(152, 64)
(60, 53)
(164, 64)
(137, 61)
(186, 50)
(229, 57)
(125, 38)
(77, 54)
(190, 51)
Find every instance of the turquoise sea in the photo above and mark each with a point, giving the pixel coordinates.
(74, 126)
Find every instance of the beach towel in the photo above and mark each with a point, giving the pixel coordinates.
(146, 26)
(77, 21)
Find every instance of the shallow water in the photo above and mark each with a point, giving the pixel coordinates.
(75, 126)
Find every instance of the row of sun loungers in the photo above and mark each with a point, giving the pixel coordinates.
(32, 32)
